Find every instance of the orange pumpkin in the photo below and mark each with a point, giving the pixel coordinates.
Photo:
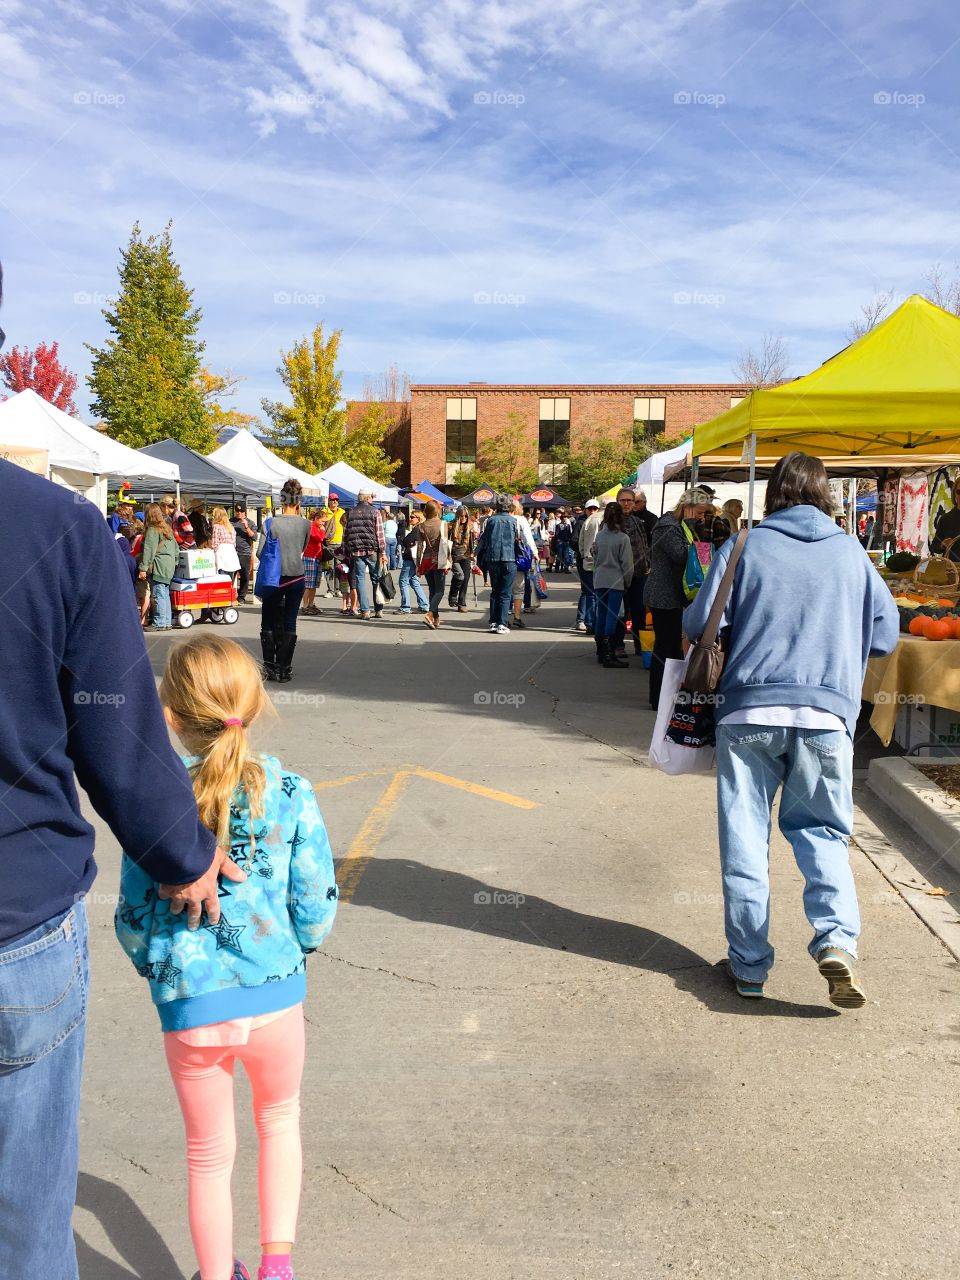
(916, 626)
(938, 629)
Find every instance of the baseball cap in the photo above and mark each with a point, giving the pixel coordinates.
(591, 503)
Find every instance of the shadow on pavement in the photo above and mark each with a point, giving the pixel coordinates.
(437, 896)
(136, 1240)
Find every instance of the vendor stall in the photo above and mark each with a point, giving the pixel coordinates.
(248, 456)
(78, 457)
(201, 477)
(347, 482)
(889, 400)
(427, 492)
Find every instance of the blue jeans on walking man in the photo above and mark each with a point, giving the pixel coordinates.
(366, 574)
(44, 977)
(815, 769)
(408, 578)
(502, 574)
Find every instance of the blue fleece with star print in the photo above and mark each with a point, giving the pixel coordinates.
(253, 960)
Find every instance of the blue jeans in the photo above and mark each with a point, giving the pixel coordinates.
(162, 615)
(408, 578)
(502, 574)
(815, 769)
(608, 611)
(587, 604)
(365, 569)
(43, 1007)
(391, 553)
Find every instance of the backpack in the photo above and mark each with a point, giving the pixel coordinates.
(699, 555)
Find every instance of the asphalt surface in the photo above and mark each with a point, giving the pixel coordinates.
(523, 1061)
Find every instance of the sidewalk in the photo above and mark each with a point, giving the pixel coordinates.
(522, 1060)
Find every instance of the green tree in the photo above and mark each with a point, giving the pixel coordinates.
(310, 431)
(215, 388)
(363, 446)
(144, 379)
(602, 458)
(504, 461)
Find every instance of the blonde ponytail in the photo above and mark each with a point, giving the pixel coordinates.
(213, 689)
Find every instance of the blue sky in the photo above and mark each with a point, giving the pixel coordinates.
(564, 191)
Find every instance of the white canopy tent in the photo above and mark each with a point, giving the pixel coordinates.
(249, 456)
(78, 456)
(348, 482)
(661, 467)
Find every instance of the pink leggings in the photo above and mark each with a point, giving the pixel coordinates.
(203, 1078)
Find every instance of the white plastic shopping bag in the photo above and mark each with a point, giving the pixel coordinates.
(668, 751)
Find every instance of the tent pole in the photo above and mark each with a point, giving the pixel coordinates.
(753, 478)
(852, 498)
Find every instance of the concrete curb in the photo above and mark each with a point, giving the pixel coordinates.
(937, 913)
(932, 814)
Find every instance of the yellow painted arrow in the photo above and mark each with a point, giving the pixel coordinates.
(365, 842)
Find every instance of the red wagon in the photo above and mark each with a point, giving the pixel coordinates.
(218, 595)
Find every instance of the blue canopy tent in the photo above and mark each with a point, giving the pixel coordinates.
(427, 490)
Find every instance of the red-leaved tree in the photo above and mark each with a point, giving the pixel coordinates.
(42, 371)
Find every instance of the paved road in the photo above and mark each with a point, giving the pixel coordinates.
(522, 1060)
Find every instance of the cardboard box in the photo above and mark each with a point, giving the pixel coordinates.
(197, 562)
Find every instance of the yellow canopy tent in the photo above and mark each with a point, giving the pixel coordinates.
(892, 394)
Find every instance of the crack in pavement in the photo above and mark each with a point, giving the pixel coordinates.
(381, 1204)
(425, 982)
(369, 968)
(554, 711)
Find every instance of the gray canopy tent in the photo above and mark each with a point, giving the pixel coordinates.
(202, 478)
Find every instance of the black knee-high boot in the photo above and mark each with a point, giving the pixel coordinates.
(285, 657)
(268, 647)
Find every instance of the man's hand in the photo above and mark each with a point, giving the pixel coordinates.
(202, 894)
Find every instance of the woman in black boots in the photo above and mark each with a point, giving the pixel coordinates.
(281, 604)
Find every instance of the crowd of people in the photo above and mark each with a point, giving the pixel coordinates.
(629, 563)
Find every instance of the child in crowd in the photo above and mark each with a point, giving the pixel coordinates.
(234, 991)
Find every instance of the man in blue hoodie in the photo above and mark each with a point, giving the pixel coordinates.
(806, 611)
(78, 704)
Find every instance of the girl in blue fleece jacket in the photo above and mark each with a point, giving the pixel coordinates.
(234, 991)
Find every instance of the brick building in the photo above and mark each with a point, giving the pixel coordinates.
(449, 423)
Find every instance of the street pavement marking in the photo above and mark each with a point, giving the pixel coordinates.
(364, 845)
(351, 777)
(503, 797)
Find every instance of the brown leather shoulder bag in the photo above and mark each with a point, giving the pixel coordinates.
(705, 663)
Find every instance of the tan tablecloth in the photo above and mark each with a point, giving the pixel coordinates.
(925, 672)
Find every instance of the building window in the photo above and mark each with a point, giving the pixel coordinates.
(735, 400)
(554, 427)
(649, 416)
(462, 432)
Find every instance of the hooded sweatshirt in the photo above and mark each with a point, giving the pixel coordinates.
(806, 611)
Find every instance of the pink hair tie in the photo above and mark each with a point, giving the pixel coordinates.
(233, 720)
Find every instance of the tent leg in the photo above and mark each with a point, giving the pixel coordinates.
(852, 498)
(753, 479)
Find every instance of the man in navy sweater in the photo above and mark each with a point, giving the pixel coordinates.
(78, 703)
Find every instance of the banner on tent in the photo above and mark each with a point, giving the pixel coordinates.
(27, 457)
